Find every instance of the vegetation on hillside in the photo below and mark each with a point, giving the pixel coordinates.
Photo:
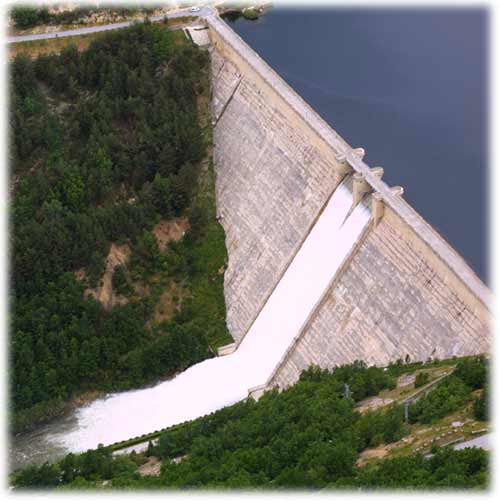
(452, 393)
(232, 12)
(251, 14)
(105, 144)
(309, 436)
(25, 16)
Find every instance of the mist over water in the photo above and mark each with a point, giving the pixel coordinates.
(215, 383)
(410, 86)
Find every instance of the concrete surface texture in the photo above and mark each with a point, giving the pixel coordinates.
(271, 185)
(199, 35)
(390, 302)
(235, 49)
(485, 442)
(403, 292)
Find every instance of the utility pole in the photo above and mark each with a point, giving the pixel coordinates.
(347, 392)
(407, 404)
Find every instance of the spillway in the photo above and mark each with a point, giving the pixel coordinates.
(222, 381)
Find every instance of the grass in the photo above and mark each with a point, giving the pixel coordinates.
(33, 48)
(203, 288)
(55, 45)
(210, 255)
(422, 436)
(176, 21)
(108, 18)
(434, 372)
(121, 445)
(418, 436)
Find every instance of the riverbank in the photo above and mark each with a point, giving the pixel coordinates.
(311, 435)
(251, 13)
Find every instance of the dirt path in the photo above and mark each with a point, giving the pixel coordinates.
(118, 255)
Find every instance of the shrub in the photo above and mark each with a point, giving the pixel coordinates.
(473, 372)
(421, 379)
(250, 14)
(450, 395)
(120, 280)
(25, 17)
(481, 406)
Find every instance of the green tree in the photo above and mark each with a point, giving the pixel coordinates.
(472, 371)
(481, 405)
(198, 220)
(421, 379)
(24, 16)
(161, 196)
(120, 280)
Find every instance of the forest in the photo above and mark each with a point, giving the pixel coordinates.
(308, 436)
(104, 145)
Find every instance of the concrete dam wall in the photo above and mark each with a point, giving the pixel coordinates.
(402, 293)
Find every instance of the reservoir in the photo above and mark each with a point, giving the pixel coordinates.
(410, 87)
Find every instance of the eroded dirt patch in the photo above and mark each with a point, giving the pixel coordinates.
(367, 455)
(170, 231)
(406, 379)
(151, 468)
(118, 255)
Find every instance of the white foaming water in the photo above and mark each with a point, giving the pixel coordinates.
(215, 383)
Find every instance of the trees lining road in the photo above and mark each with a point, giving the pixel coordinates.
(203, 12)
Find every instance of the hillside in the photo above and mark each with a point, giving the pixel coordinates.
(314, 435)
(117, 259)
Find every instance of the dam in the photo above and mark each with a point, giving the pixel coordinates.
(404, 293)
(327, 264)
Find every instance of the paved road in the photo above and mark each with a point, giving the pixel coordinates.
(203, 12)
(485, 442)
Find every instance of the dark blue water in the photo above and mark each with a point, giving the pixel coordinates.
(410, 86)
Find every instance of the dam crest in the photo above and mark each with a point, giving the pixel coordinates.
(403, 293)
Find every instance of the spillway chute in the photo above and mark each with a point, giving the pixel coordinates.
(222, 381)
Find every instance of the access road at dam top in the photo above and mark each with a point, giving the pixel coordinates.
(203, 12)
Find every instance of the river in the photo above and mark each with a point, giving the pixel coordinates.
(409, 87)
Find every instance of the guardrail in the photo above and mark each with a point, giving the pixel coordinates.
(120, 445)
